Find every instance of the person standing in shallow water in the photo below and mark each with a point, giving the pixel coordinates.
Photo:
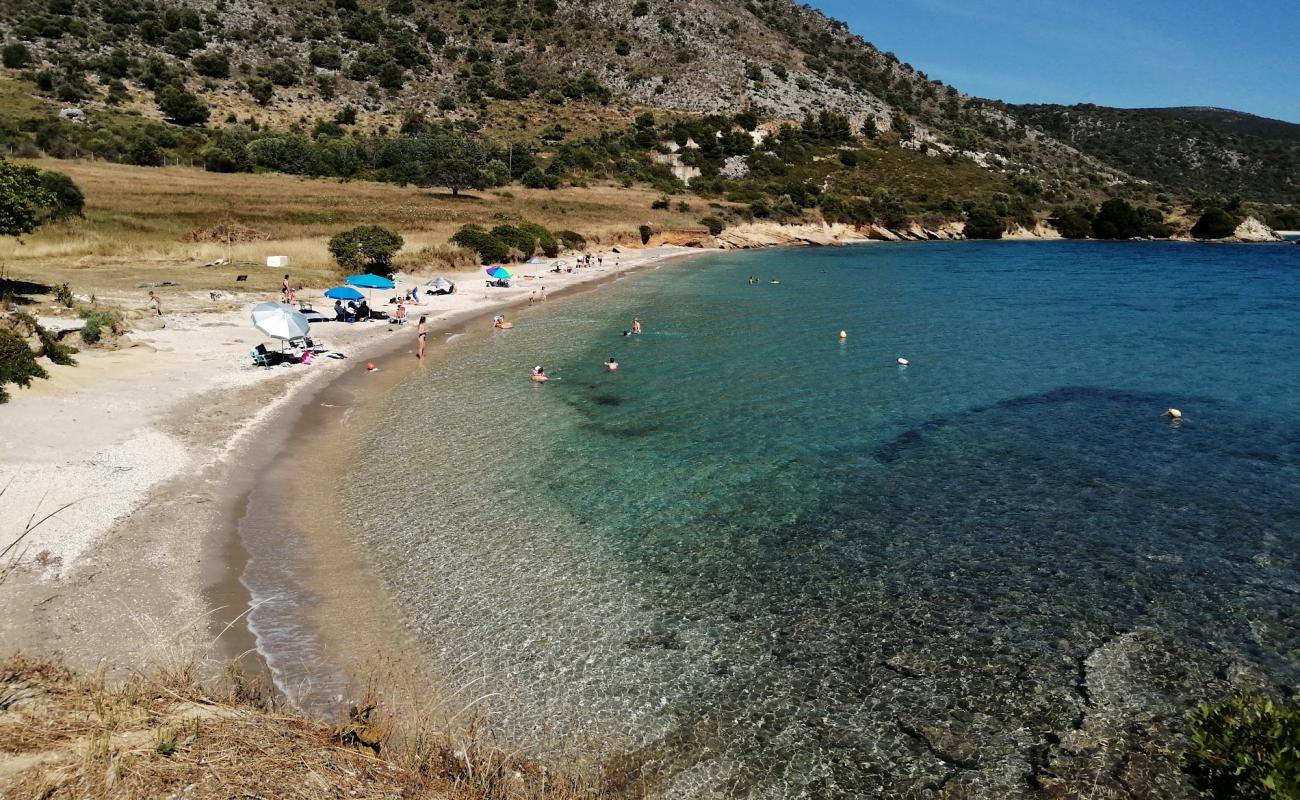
(421, 334)
(636, 326)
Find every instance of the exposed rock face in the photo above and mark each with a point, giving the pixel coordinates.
(766, 234)
(1040, 230)
(1252, 230)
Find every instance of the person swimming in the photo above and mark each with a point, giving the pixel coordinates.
(539, 374)
(611, 364)
(636, 325)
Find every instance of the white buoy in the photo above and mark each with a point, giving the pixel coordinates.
(903, 362)
(844, 334)
(1174, 413)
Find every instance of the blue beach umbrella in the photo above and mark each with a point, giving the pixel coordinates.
(344, 293)
(369, 281)
(498, 272)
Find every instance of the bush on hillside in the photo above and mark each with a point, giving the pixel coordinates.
(506, 242)
(571, 239)
(1215, 223)
(474, 237)
(984, 224)
(1118, 219)
(181, 106)
(715, 225)
(16, 55)
(211, 65)
(366, 248)
(536, 179)
(646, 232)
(1072, 223)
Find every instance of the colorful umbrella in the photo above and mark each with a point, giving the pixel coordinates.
(344, 293)
(369, 281)
(498, 272)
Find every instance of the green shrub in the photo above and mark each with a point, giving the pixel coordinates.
(98, 322)
(473, 237)
(1215, 223)
(181, 106)
(1247, 747)
(646, 232)
(1072, 223)
(261, 90)
(63, 294)
(67, 199)
(714, 224)
(16, 55)
(536, 179)
(984, 224)
(543, 239)
(17, 363)
(211, 65)
(571, 239)
(366, 247)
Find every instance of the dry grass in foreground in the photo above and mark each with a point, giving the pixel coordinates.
(170, 734)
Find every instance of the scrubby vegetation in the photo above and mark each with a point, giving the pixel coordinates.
(506, 243)
(1247, 748)
(366, 248)
(169, 732)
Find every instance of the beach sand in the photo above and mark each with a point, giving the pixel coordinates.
(152, 455)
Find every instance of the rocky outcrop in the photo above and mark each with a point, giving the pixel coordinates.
(1252, 230)
(768, 234)
(1041, 230)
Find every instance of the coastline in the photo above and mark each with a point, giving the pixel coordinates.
(166, 453)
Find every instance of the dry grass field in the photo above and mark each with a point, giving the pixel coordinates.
(137, 218)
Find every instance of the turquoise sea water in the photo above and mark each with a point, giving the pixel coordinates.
(760, 561)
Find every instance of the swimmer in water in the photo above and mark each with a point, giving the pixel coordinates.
(539, 375)
(636, 326)
(611, 364)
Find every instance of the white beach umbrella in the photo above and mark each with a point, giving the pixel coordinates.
(279, 320)
(441, 285)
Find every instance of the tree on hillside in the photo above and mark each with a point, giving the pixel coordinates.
(1215, 223)
(1072, 223)
(181, 106)
(453, 160)
(1117, 219)
(23, 199)
(66, 197)
(984, 224)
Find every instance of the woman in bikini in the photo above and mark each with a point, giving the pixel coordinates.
(421, 333)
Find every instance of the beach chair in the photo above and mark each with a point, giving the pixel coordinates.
(261, 357)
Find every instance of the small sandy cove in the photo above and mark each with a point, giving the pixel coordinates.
(146, 451)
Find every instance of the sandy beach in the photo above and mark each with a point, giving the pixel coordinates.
(149, 455)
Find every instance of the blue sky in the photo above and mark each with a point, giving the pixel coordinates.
(1241, 54)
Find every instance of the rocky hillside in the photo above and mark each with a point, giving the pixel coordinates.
(543, 70)
(490, 62)
(1199, 149)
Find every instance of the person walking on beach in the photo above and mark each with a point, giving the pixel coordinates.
(284, 287)
(155, 304)
(543, 293)
(421, 333)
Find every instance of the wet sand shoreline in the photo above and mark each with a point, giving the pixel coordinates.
(358, 638)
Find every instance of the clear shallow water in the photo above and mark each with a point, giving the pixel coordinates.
(761, 562)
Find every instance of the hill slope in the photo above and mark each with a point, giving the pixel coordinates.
(1201, 149)
(541, 70)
